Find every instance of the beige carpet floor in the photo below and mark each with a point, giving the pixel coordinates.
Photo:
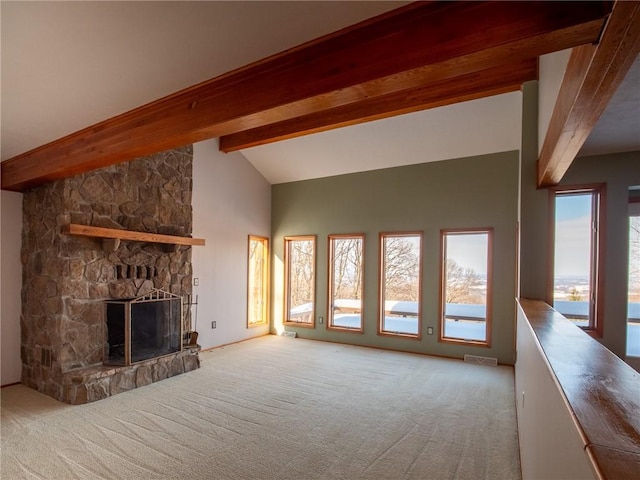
(277, 408)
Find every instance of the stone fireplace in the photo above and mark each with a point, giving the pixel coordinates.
(68, 280)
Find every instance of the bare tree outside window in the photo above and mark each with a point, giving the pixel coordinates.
(402, 267)
(466, 285)
(300, 279)
(346, 276)
(400, 283)
(462, 284)
(258, 281)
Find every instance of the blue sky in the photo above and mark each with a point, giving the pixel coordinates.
(573, 239)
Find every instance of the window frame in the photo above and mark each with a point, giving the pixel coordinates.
(330, 273)
(596, 308)
(381, 289)
(633, 204)
(265, 282)
(287, 269)
(443, 279)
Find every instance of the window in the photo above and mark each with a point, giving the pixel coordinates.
(465, 309)
(346, 280)
(576, 241)
(400, 284)
(258, 281)
(633, 298)
(300, 280)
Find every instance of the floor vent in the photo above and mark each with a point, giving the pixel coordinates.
(481, 360)
(289, 334)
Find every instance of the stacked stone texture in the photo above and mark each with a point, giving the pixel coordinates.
(67, 278)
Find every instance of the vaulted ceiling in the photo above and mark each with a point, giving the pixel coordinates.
(198, 70)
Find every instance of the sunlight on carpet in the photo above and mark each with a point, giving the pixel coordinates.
(277, 408)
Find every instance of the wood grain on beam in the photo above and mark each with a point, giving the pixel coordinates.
(493, 81)
(593, 75)
(400, 50)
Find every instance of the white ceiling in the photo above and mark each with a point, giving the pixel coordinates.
(67, 65)
(472, 128)
(618, 129)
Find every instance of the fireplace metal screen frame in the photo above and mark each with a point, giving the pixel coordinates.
(153, 296)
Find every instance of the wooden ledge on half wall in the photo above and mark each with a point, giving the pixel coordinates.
(600, 390)
(111, 237)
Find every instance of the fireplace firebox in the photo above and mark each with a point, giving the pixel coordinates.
(142, 328)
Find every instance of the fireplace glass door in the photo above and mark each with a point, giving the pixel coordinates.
(143, 328)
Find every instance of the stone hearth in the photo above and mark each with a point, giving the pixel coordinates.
(89, 384)
(66, 279)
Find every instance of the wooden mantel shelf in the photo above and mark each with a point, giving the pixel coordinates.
(117, 235)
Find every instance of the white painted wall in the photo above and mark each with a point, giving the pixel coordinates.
(10, 285)
(550, 445)
(551, 73)
(231, 200)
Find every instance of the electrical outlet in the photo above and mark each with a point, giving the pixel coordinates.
(429, 330)
(213, 324)
(196, 282)
(320, 319)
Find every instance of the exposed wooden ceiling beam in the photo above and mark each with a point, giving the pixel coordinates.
(493, 81)
(593, 75)
(423, 42)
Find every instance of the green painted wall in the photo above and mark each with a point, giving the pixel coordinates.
(534, 215)
(478, 191)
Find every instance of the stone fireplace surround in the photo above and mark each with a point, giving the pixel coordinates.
(66, 278)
